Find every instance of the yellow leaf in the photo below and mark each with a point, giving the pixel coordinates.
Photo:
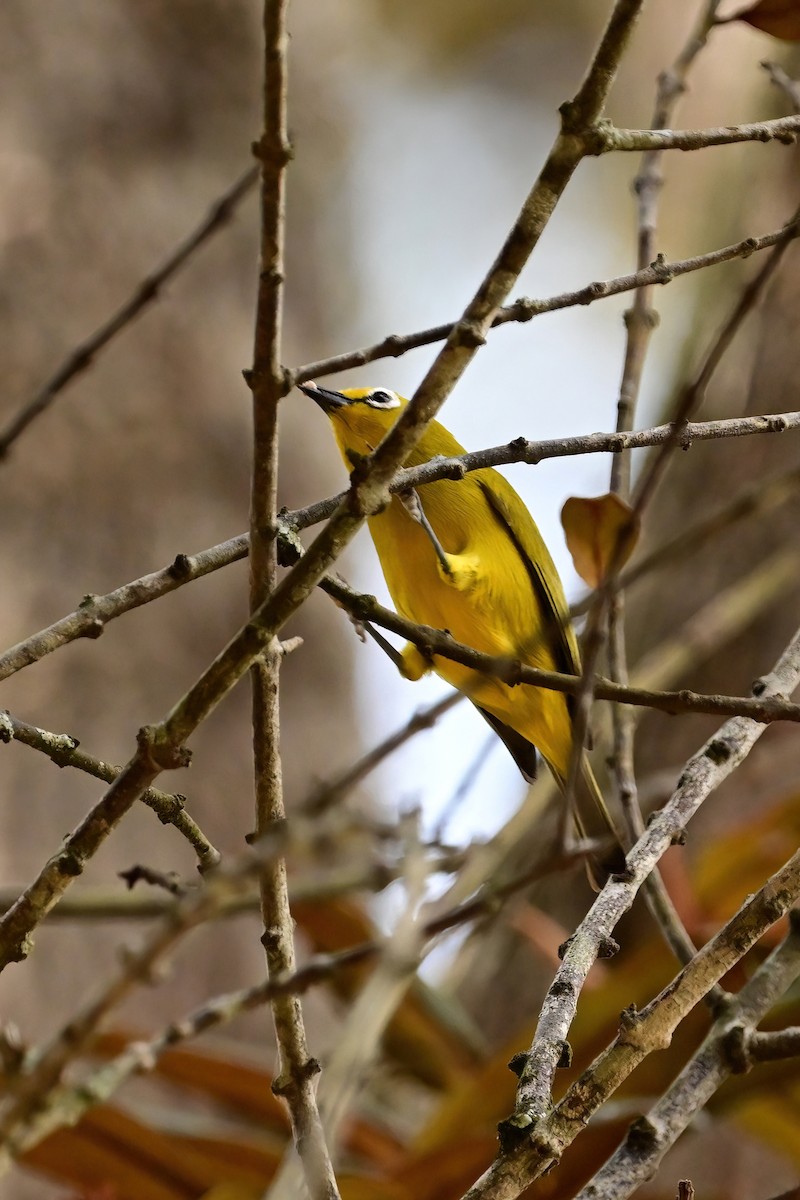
(601, 532)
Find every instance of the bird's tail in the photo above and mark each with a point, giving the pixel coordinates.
(594, 821)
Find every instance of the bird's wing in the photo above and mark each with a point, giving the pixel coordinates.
(521, 750)
(519, 526)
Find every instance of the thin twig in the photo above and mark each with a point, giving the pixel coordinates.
(658, 273)
(63, 750)
(640, 321)
(723, 1052)
(529, 1142)
(511, 671)
(692, 395)
(704, 772)
(90, 618)
(161, 746)
(466, 783)
(295, 1081)
(326, 794)
(143, 295)
(789, 86)
(606, 138)
(106, 904)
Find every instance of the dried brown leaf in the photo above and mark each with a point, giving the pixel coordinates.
(780, 18)
(601, 532)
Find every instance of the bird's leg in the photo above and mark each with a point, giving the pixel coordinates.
(415, 662)
(394, 655)
(413, 505)
(410, 661)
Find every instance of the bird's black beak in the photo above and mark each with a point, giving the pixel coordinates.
(327, 400)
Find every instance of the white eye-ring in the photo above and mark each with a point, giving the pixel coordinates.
(383, 398)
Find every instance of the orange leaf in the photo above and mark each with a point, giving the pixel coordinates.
(247, 1090)
(781, 18)
(112, 1147)
(601, 532)
(417, 1036)
(228, 1080)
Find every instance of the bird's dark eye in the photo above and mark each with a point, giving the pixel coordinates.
(381, 399)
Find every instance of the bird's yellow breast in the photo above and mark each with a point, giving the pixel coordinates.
(503, 596)
(494, 610)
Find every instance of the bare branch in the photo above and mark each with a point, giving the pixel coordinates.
(161, 746)
(606, 137)
(295, 1081)
(658, 273)
(652, 1135)
(327, 794)
(651, 1029)
(359, 1040)
(31, 1089)
(40, 1107)
(143, 295)
(89, 619)
(640, 321)
(529, 1139)
(759, 707)
(63, 751)
(91, 616)
(704, 772)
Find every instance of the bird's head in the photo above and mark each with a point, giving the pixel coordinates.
(361, 417)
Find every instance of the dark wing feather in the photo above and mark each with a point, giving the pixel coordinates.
(521, 750)
(519, 526)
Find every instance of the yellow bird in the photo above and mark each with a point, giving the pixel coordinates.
(466, 556)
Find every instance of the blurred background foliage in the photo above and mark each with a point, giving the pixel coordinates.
(417, 130)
